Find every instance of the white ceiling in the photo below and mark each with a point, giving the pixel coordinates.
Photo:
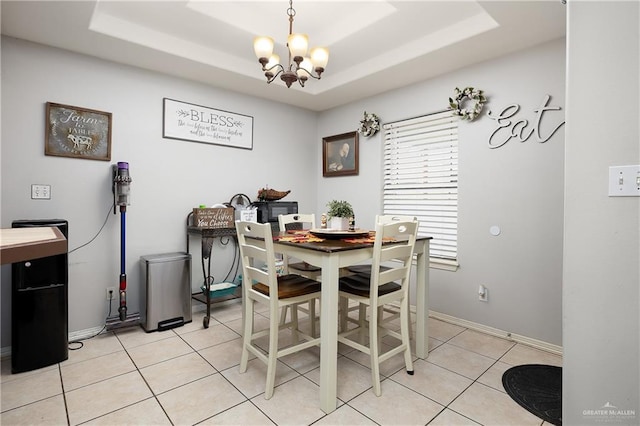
(374, 46)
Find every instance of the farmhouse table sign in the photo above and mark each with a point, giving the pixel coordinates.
(196, 123)
(77, 132)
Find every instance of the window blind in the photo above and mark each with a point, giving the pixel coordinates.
(421, 177)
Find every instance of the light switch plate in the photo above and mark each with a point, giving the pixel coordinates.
(624, 181)
(40, 192)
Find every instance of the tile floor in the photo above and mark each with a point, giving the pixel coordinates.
(189, 375)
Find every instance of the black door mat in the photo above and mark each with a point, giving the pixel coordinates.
(538, 389)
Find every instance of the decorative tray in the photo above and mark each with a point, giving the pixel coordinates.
(338, 234)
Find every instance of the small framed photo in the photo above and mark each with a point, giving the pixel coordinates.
(77, 132)
(340, 155)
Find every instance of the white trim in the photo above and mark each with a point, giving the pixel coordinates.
(443, 264)
(538, 344)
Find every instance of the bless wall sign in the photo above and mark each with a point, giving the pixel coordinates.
(198, 123)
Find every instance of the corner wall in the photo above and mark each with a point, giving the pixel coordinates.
(601, 323)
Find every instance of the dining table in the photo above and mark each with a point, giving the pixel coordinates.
(331, 252)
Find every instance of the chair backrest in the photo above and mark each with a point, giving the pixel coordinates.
(301, 218)
(400, 251)
(256, 250)
(386, 218)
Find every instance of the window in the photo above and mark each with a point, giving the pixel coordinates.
(421, 179)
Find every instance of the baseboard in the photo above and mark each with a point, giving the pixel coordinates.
(538, 344)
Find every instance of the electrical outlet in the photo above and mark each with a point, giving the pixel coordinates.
(111, 293)
(40, 192)
(483, 293)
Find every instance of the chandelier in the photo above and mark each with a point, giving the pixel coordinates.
(299, 67)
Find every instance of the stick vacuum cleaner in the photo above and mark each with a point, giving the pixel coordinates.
(121, 190)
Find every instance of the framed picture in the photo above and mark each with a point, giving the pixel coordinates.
(77, 132)
(197, 123)
(340, 155)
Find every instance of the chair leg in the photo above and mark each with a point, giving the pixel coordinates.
(343, 307)
(272, 359)
(312, 316)
(247, 332)
(405, 326)
(374, 352)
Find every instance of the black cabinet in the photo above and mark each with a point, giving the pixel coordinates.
(39, 306)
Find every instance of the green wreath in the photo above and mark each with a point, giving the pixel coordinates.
(456, 104)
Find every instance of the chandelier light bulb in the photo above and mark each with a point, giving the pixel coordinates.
(263, 46)
(319, 57)
(305, 65)
(274, 60)
(298, 44)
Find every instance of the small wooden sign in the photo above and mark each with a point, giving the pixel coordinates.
(214, 218)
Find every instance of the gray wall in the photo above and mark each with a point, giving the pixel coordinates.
(518, 187)
(602, 234)
(170, 177)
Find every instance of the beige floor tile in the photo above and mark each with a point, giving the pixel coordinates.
(433, 343)
(491, 407)
(176, 372)
(484, 344)
(147, 412)
(296, 402)
(493, 376)
(6, 375)
(206, 337)
(159, 351)
(253, 381)
(50, 411)
(100, 345)
(443, 331)
(227, 311)
(136, 336)
(95, 369)
(353, 378)
(100, 398)
(522, 354)
(396, 406)
(259, 323)
(199, 400)
(345, 415)
(225, 355)
(303, 361)
(461, 361)
(241, 415)
(437, 383)
(451, 418)
(30, 388)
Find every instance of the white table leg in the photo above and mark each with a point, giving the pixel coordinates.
(422, 302)
(329, 334)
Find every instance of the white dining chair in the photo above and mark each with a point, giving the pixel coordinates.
(261, 284)
(366, 269)
(292, 222)
(380, 288)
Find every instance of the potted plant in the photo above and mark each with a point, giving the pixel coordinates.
(338, 214)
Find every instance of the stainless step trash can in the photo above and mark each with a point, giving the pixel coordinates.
(166, 295)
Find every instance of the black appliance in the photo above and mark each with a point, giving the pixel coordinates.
(268, 211)
(39, 306)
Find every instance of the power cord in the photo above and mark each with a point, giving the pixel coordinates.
(99, 231)
(104, 327)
